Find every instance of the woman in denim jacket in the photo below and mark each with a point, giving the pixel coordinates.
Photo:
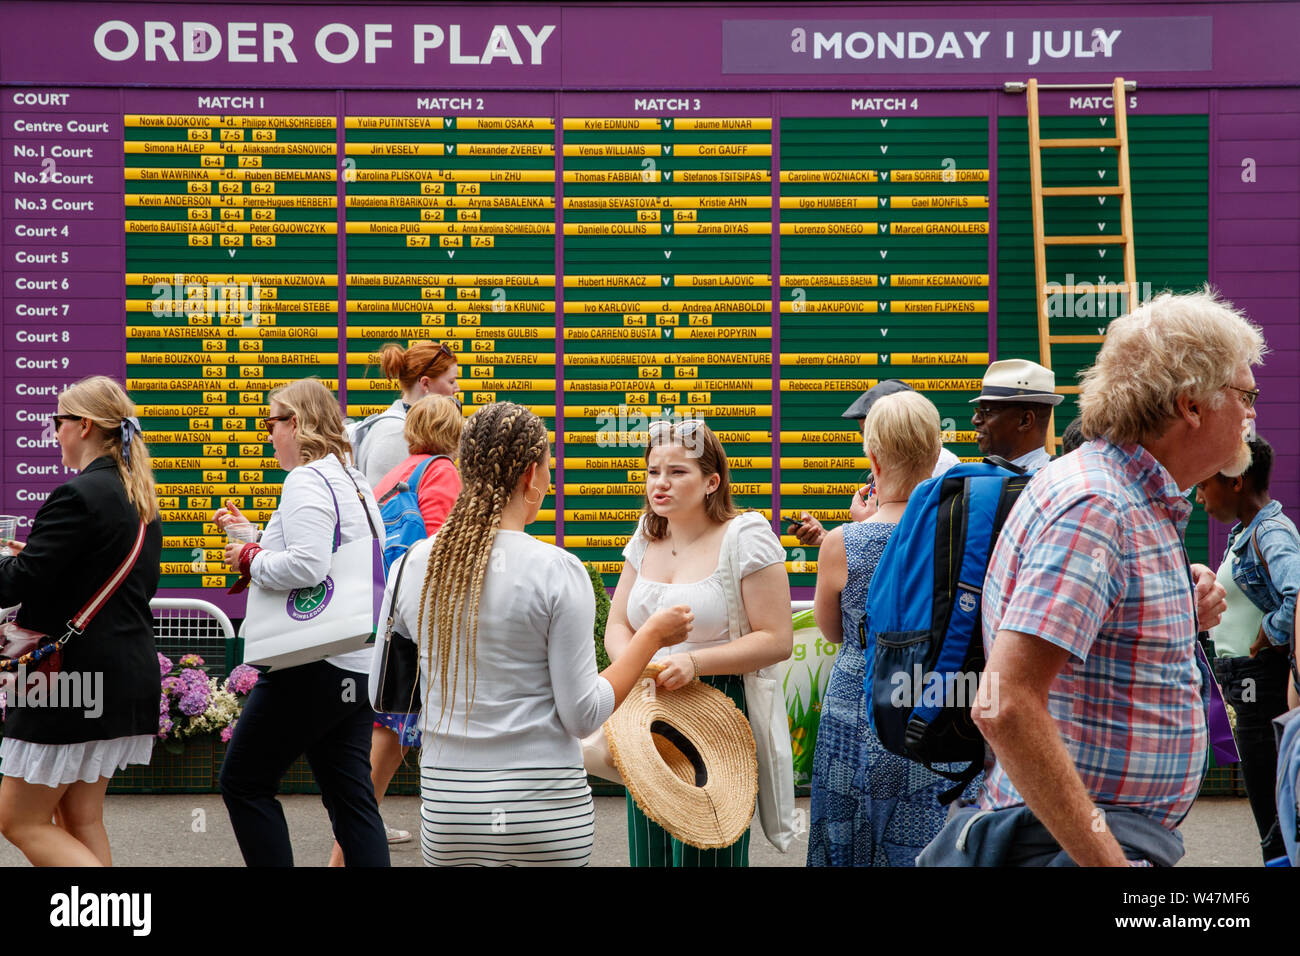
(1261, 574)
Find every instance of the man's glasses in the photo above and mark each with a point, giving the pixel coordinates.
(268, 423)
(1248, 395)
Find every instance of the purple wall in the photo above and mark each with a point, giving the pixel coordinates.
(1255, 256)
(1236, 61)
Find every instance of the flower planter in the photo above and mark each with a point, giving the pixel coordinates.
(192, 771)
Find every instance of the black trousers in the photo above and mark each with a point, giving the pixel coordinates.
(1256, 689)
(322, 711)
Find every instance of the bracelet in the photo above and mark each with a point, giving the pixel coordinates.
(695, 665)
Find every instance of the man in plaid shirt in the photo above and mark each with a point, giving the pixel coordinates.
(1091, 697)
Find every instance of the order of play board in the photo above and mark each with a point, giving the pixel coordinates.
(601, 258)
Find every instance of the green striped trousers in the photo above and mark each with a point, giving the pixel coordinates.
(649, 844)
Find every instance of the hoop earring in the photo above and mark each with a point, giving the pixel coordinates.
(536, 492)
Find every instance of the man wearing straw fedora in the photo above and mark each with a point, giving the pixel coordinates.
(1013, 411)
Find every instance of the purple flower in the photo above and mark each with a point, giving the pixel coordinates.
(164, 719)
(242, 679)
(193, 703)
(191, 660)
(194, 692)
(164, 665)
(169, 685)
(226, 733)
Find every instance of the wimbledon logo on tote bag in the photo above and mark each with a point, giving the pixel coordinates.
(306, 603)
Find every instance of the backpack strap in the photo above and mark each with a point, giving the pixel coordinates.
(412, 482)
(1003, 463)
(1254, 543)
(417, 473)
(1010, 494)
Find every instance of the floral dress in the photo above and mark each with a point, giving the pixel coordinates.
(869, 807)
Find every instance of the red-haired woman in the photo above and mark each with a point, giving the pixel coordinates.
(426, 368)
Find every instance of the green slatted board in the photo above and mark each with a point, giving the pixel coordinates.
(873, 293)
(208, 444)
(667, 306)
(472, 265)
(1169, 173)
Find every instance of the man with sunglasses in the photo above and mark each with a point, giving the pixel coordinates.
(1013, 411)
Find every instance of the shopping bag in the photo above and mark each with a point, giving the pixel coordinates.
(339, 614)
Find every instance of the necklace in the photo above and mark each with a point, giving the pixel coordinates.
(896, 501)
(673, 547)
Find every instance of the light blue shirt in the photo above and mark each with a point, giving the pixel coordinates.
(1033, 460)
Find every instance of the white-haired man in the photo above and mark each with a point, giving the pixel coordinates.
(1091, 699)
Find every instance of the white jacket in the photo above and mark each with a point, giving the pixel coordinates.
(298, 542)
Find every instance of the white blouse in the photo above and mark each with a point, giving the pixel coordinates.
(759, 548)
(537, 692)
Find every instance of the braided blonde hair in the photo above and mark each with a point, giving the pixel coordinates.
(498, 444)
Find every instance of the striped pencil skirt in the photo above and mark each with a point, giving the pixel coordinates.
(528, 817)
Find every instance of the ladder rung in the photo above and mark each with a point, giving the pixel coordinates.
(1067, 390)
(1121, 287)
(1075, 339)
(1076, 143)
(1083, 240)
(1083, 190)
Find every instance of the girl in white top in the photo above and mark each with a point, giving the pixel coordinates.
(674, 559)
(314, 709)
(508, 664)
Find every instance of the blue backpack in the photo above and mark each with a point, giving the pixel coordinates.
(921, 630)
(400, 509)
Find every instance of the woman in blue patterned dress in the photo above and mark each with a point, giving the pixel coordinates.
(870, 807)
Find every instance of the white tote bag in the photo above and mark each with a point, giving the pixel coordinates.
(767, 714)
(340, 614)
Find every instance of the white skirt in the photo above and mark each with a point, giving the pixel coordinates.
(527, 817)
(53, 765)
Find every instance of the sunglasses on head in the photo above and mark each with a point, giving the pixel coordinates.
(662, 428)
(442, 350)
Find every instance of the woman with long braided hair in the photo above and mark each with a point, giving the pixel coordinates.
(504, 624)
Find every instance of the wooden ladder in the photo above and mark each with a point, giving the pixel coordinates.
(1120, 143)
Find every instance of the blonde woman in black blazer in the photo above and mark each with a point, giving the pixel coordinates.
(57, 759)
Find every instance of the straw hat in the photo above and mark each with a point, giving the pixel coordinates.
(1019, 381)
(688, 759)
